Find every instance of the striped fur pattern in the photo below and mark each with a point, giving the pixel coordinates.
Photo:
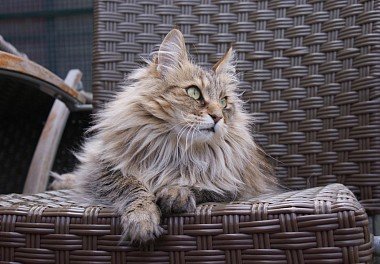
(156, 150)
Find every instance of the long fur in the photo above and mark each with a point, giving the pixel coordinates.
(147, 147)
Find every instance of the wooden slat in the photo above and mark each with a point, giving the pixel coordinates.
(43, 158)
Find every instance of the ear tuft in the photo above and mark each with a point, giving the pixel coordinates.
(225, 64)
(172, 53)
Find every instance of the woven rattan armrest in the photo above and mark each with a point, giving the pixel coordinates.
(316, 225)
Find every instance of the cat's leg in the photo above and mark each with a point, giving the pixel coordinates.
(205, 196)
(140, 216)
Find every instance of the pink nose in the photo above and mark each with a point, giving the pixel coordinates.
(216, 118)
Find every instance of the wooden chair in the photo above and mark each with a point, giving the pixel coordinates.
(34, 89)
(309, 75)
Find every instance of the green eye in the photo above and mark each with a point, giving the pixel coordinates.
(223, 102)
(194, 92)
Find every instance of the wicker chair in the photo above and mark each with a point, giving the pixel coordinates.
(309, 74)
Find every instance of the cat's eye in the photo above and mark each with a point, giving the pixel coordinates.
(194, 92)
(223, 102)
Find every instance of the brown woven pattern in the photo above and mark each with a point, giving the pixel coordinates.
(309, 70)
(318, 225)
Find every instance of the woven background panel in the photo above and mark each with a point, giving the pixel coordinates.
(318, 225)
(309, 73)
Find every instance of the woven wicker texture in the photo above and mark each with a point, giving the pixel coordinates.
(318, 225)
(309, 71)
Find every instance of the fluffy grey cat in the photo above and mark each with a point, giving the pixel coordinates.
(176, 136)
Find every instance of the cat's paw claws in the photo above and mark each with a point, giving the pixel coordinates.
(142, 224)
(176, 199)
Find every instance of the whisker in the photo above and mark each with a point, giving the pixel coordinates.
(187, 134)
(180, 134)
(192, 139)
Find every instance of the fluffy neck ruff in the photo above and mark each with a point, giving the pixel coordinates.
(133, 140)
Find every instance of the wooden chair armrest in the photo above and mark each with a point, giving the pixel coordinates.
(46, 81)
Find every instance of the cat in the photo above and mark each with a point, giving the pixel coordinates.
(174, 137)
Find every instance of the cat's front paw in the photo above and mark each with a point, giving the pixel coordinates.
(175, 199)
(142, 224)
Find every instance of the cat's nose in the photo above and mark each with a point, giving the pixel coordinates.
(216, 118)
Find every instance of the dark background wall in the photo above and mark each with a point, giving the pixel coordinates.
(54, 33)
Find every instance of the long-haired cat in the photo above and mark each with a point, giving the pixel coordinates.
(176, 136)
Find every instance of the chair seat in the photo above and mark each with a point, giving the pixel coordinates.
(317, 225)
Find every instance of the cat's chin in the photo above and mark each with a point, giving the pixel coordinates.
(205, 135)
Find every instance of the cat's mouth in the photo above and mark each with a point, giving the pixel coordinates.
(208, 129)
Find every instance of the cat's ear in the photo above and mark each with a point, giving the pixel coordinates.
(225, 64)
(172, 53)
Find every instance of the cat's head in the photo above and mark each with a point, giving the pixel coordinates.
(197, 104)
